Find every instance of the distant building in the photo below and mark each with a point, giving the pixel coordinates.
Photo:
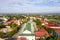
(18, 22)
(44, 22)
(3, 18)
(5, 30)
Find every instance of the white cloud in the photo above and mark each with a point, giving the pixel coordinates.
(28, 6)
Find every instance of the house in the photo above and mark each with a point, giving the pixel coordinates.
(27, 33)
(41, 33)
(21, 38)
(44, 22)
(5, 30)
(8, 22)
(3, 18)
(56, 33)
(18, 22)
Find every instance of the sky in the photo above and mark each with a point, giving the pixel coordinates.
(29, 6)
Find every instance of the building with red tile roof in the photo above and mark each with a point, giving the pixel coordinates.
(56, 33)
(44, 22)
(8, 22)
(54, 26)
(41, 33)
(57, 30)
(22, 38)
(13, 21)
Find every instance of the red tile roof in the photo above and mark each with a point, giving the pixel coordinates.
(52, 26)
(8, 22)
(41, 32)
(44, 22)
(57, 30)
(12, 21)
(22, 38)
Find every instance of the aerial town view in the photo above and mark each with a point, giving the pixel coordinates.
(29, 27)
(29, 19)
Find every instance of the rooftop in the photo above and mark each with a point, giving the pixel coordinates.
(42, 32)
(57, 30)
(52, 26)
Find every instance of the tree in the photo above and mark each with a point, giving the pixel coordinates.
(50, 38)
(1, 35)
(13, 25)
(49, 30)
(38, 23)
(2, 26)
(26, 20)
(10, 34)
(52, 21)
(19, 17)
